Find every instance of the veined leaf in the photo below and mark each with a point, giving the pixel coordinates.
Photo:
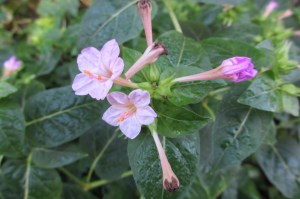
(6, 89)
(57, 116)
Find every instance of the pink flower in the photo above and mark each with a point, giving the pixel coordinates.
(98, 70)
(11, 65)
(145, 8)
(236, 69)
(129, 112)
(272, 5)
(286, 14)
(150, 55)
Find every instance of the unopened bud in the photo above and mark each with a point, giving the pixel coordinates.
(171, 185)
(286, 14)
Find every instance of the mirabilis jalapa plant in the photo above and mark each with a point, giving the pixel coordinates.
(101, 69)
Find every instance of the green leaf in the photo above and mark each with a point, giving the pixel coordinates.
(281, 164)
(183, 51)
(106, 20)
(57, 116)
(291, 89)
(26, 181)
(75, 192)
(290, 104)
(58, 8)
(113, 158)
(238, 130)
(174, 121)
(262, 94)
(220, 49)
(6, 89)
(12, 129)
(183, 154)
(50, 159)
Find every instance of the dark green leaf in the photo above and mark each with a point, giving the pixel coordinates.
(26, 181)
(113, 161)
(6, 89)
(58, 8)
(183, 51)
(174, 121)
(12, 126)
(281, 164)
(238, 130)
(75, 192)
(106, 20)
(262, 94)
(183, 154)
(50, 159)
(57, 116)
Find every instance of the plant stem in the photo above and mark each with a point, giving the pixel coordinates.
(27, 175)
(96, 160)
(100, 183)
(209, 110)
(71, 176)
(172, 16)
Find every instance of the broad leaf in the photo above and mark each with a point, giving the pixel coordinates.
(106, 20)
(58, 8)
(238, 130)
(174, 121)
(101, 141)
(183, 154)
(26, 181)
(12, 129)
(262, 94)
(183, 51)
(281, 164)
(49, 159)
(57, 116)
(6, 89)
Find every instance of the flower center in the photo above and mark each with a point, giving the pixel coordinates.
(92, 76)
(126, 114)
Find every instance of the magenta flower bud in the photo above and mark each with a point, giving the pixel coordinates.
(236, 69)
(272, 5)
(145, 8)
(11, 66)
(99, 69)
(150, 55)
(170, 180)
(129, 112)
(286, 14)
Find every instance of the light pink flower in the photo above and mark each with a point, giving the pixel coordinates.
(236, 69)
(170, 180)
(150, 55)
(145, 8)
(272, 5)
(286, 14)
(98, 70)
(129, 112)
(11, 65)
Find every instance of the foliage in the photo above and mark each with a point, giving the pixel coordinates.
(224, 140)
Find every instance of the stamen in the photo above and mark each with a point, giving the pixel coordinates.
(99, 77)
(126, 114)
(88, 73)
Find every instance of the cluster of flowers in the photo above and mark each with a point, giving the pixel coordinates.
(100, 69)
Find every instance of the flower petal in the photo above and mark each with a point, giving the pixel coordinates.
(140, 98)
(237, 64)
(131, 127)
(89, 59)
(146, 115)
(82, 84)
(110, 52)
(117, 99)
(116, 68)
(112, 114)
(101, 89)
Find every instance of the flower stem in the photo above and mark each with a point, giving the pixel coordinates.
(172, 16)
(71, 176)
(96, 160)
(100, 183)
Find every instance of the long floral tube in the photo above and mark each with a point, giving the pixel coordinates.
(145, 8)
(150, 55)
(236, 69)
(170, 180)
